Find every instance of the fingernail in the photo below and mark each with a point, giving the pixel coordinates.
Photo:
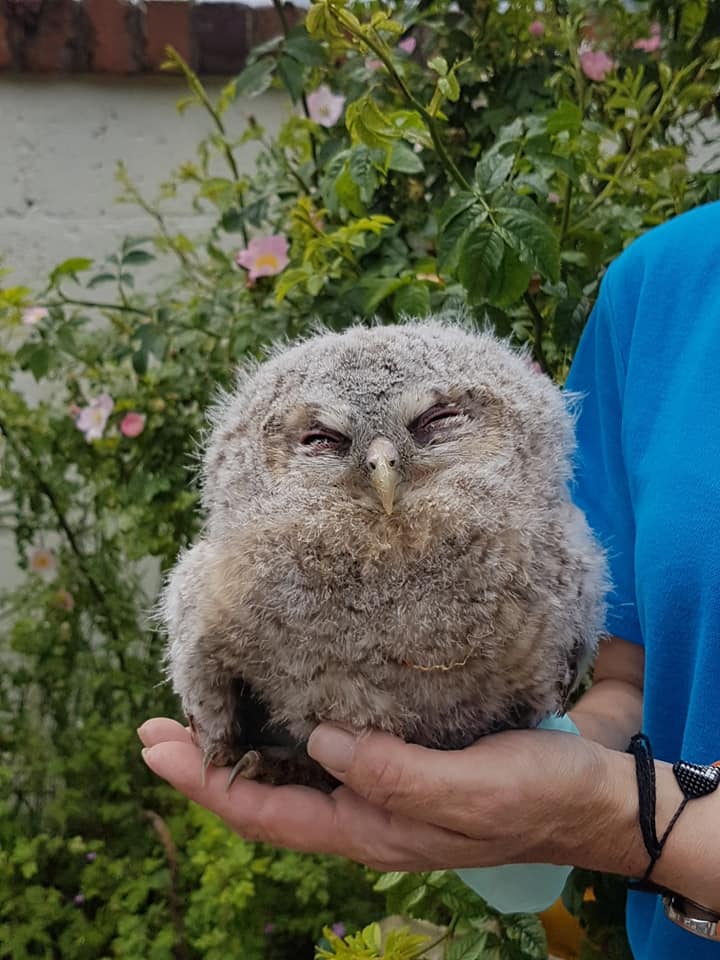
(144, 754)
(332, 746)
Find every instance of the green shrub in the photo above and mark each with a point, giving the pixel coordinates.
(497, 160)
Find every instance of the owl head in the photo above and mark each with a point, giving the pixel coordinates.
(384, 422)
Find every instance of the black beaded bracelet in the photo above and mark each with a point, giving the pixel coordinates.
(695, 781)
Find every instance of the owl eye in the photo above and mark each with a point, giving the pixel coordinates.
(324, 440)
(425, 426)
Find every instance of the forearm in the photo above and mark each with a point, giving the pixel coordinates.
(609, 713)
(607, 834)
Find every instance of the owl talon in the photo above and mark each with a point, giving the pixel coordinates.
(248, 766)
(193, 730)
(207, 760)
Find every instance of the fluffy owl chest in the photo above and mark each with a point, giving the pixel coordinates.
(395, 601)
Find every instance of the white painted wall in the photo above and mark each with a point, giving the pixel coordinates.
(59, 143)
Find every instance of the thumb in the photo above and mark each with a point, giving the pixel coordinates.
(398, 776)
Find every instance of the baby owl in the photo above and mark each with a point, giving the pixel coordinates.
(389, 543)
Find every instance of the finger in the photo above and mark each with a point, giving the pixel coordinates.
(384, 840)
(295, 817)
(303, 819)
(429, 785)
(159, 729)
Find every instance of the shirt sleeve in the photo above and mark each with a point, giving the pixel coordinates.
(600, 486)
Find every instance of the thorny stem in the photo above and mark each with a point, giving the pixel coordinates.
(49, 494)
(431, 946)
(276, 152)
(378, 49)
(199, 89)
(98, 305)
(188, 266)
(566, 211)
(125, 308)
(163, 832)
(539, 329)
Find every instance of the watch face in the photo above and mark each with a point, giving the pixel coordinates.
(692, 917)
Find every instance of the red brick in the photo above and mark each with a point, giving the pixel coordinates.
(115, 40)
(266, 23)
(167, 23)
(220, 36)
(5, 56)
(50, 46)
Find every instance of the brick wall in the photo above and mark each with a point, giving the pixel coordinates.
(118, 37)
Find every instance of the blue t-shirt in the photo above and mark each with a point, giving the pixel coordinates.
(648, 478)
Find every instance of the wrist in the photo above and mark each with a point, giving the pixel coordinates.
(600, 822)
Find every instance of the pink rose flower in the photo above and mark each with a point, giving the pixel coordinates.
(339, 929)
(536, 28)
(43, 561)
(408, 44)
(324, 106)
(264, 256)
(93, 418)
(596, 64)
(553, 197)
(651, 43)
(34, 315)
(132, 424)
(373, 64)
(65, 600)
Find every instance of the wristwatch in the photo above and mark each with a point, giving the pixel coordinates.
(692, 917)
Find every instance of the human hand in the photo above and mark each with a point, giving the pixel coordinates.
(520, 796)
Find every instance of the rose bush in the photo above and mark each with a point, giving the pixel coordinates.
(490, 156)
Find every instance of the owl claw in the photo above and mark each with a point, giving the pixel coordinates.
(193, 730)
(248, 767)
(207, 760)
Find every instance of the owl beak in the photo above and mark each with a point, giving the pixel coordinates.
(382, 460)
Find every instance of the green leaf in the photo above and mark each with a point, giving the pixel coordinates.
(389, 880)
(301, 46)
(454, 218)
(412, 300)
(404, 160)
(693, 14)
(153, 339)
(35, 357)
(348, 193)
(255, 79)
(511, 280)
(363, 172)
(568, 117)
(371, 292)
(70, 268)
(480, 256)
(439, 65)
(367, 124)
(470, 947)
(528, 932)
(450, 87)
(493, 170)
(532, 237)
(292, 75)
(101, 278)
(137, 257)
(140, 360)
